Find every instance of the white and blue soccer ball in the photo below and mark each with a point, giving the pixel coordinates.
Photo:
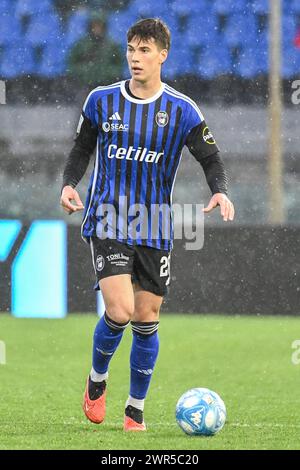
(200, 411)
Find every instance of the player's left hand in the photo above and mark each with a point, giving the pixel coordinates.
(226, 206)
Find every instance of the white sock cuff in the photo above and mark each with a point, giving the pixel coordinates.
(139, 404)
(95, 377)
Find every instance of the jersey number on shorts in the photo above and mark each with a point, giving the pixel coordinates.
(165, 268)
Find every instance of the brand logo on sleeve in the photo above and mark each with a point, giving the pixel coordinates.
(208, 137)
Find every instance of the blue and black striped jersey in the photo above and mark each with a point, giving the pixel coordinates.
(139, 144)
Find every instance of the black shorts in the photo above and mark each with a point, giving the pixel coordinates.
(149, 267)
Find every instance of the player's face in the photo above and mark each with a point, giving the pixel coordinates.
(144, 59)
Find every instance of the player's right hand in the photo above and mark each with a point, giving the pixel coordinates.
(68, 195)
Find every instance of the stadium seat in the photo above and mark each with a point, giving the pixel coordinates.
(291, 63)
(247, 66)
(202, 28)
(214, 61)
(291, 7)
(141, 9)
(33, 7)
(184, 56)
(171, 68)
(148, 9)
(200, 40)
(261, 53)
(118, 25)
(18, 60)
(53, 60)
(295, 7)
(7, 7)
(240, 30)
(178, 7)
(261, 7)
(227, 7)
(289, 29)
(77, 26)
(10, 30)
(192, 39)
(44, 28)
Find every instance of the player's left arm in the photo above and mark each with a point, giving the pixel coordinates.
(203, 147)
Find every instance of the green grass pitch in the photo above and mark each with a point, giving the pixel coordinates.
(247, 360)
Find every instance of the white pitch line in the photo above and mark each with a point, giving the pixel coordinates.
(236, 425)
(263, 425)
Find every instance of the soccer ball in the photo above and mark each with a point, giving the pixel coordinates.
(200, 411)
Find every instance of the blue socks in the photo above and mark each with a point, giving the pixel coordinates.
(107, 337)
(144, 352)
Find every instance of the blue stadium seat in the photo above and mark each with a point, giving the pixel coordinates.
(261, 54)
(240, 30)
(228, 7)
(7, 7)
(202, 28)
(295, 7)
(291, 62)
(125, 71)
(143, 9)
(261, 7)
(10, 30)
(171, 68)
(118, 25)
(214, 61)
(33, 7)
(18, 60)
(178, 7)
(289, 29)
(43, 29)
(185, 59)
(192, 39)
(147, 9)
(247, 65)
(200, 40)
(53, 62)
(77, 26)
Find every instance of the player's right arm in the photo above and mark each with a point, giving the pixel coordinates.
(77, 163)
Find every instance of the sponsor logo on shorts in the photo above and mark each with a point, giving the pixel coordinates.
(100, 262)
(118, 259)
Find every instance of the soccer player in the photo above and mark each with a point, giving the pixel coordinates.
(139, 127)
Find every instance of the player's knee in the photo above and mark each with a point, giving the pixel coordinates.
(120, 313)
(146, 313)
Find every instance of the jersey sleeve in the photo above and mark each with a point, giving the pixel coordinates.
(85, 143)
(88, 112)
(87, 129)
(199, 139)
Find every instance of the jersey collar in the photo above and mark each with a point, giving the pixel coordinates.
(139, 101)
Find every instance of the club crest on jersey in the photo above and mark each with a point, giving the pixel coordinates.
(100, 263)
(162, 118)
(208, 137)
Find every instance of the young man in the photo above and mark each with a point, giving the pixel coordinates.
(139, 127)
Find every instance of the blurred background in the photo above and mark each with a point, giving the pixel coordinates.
(53, 52)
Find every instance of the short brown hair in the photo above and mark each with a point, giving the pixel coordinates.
(151, 28)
